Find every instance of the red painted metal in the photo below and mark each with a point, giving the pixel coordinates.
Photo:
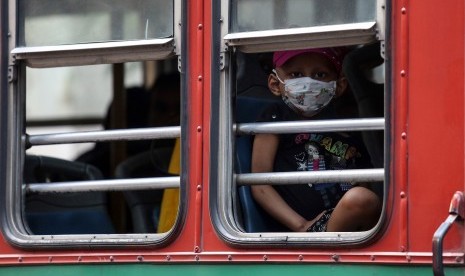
(427, 152)
(401, 132)
(436, 119)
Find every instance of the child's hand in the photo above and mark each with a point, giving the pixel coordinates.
(309, 223)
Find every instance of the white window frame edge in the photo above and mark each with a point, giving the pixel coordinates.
(297, 38)
(178, 25)
(94, 53)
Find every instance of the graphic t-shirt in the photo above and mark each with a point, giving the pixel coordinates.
(312, 152)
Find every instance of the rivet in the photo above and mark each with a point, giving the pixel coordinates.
(409, 258)
(301, 257)
(402, 194)
(229, 257)
(199, 187)
(50, 259)
(459, 259)
(335, 257)
(199, 129)
(79, 259)
(403, 135)
(196, 249)
(200, 26)
(197, 257)
(403, 73)
(402, 248)
(403, 10)
(372, 257)
(140, 258)
(168, 258)
(199, 78)
(265, 257)
(112, 259)
(20, 259)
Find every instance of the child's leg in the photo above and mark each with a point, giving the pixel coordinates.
(358, 210)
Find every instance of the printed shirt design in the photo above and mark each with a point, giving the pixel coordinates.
(312, 152)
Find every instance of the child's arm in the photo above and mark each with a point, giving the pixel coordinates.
(263, 155)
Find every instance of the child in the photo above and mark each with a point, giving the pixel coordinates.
(308, 81)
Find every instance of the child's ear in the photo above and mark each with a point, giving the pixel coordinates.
(274, 85)
(341, 86)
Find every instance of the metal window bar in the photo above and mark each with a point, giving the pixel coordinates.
(101, 136)
(153, 183)
(105, 135)
(305, 177)
(312, 126)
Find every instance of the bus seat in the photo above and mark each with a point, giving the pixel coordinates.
(144, 205)
(157, 106)
(255, 219)
(138, 106)
(368, 94)
(64, 213)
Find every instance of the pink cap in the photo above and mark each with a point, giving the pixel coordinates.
(335, 55)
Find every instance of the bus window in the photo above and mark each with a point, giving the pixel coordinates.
(297, 14)
(250, 51)
(93, 120)
(93, 21)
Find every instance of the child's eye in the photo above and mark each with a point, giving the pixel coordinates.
(294, 75)
(320, 75)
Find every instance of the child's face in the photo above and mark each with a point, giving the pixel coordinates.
(311, 65)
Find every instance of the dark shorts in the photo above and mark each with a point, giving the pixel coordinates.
(321, 223)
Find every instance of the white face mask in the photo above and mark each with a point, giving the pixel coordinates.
(307, 96)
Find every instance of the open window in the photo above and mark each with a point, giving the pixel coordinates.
(246, 38)
(92, 116)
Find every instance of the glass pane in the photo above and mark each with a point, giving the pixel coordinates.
(258, 15)
(50, 22)
(74, 92)
(73, 99)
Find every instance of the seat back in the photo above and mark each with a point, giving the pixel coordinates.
(64, 213)
(144, 205)
(255, 219)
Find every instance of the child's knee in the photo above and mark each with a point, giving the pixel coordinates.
(361, 198)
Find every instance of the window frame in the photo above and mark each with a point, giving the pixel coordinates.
(223, 196)
(13, 122)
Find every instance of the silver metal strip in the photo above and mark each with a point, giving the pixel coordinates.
(297, 38)
(381, 19)
(177, 26)
(305, 177)
(224, 20)
(107, 135)
(95, 53)
(312, 126)
(153, 183)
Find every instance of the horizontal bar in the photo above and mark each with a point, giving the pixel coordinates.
(305, 177)
(352, 29)
(105, 135)
(311, 126)
(306, 37)
(95, 53)
(153, 183)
